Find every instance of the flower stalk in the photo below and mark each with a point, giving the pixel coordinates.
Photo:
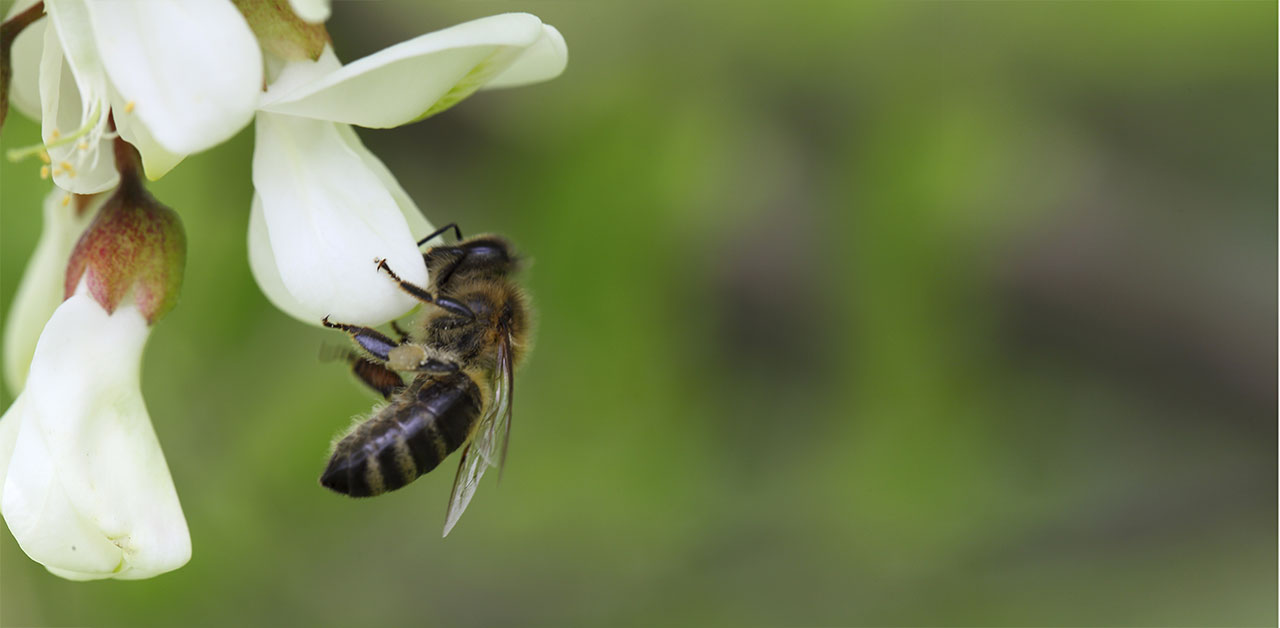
(9, 32)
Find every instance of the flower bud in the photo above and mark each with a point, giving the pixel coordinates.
(282, 32)
(134, 246)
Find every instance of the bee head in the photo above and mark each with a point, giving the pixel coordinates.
(481, 256)
(488, 254)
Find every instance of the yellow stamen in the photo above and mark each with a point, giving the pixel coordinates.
(44, 172)
(55, 139)
(71, 172)
(83, 146)
(66, 200)
(44, 156)
(128, 107)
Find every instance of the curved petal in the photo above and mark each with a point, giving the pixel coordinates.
(24, 88)
(41, 288)
(413, 79)
(9, 424)
(542, 61)
(313, 11)
(87, 489)
(157, 160)
(192, 68)
(262, 259)
(418, 225)
(328, 216)
(262, 263)
(74, 104)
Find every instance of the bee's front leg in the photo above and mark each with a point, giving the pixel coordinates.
(445, 303)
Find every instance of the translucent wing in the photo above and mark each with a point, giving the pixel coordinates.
(488, 446)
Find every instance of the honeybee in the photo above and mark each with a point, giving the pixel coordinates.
(462, 359)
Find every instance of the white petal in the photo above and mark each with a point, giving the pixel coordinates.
(262, 259)
(314, 11)
(542, 61)
(8, 437)
(328, 216)
(74, 101)
(157, 160)
(24, 90)
(289, 75)
(262, 263)
(192, 68)
(413, 79)
(87, 489)
(41, 288)
(418, 224)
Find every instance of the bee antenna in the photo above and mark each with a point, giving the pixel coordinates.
(457, 233)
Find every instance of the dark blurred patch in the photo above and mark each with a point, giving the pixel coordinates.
(769, 331)
(1118, 294)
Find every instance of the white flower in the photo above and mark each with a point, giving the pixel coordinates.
(177, 76)
(41, 288)
(84, 487)
(313, 11)
(325, 207)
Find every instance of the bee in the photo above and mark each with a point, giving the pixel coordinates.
(461, 359)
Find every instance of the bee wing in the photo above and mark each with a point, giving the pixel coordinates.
(490, 437)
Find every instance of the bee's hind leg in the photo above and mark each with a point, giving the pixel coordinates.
(381, 379)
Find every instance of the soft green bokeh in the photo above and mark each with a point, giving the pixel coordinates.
(850, 314)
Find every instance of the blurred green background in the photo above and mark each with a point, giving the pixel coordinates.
(850, 314)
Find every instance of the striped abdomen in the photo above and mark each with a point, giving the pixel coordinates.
(424, 423)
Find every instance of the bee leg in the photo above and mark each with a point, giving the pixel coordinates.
(447, 272)
(457, 233)
(445, 303)
(376, 376)
(370, 340)
(404, 336)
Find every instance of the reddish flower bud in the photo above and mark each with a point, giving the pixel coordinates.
(134, 245)
(280, 30)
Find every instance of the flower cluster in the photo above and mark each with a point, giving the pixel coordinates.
(123, 92)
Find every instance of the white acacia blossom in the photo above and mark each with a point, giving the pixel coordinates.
(325, 207)
(176, 76)
(84, 487)
(130, 87)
